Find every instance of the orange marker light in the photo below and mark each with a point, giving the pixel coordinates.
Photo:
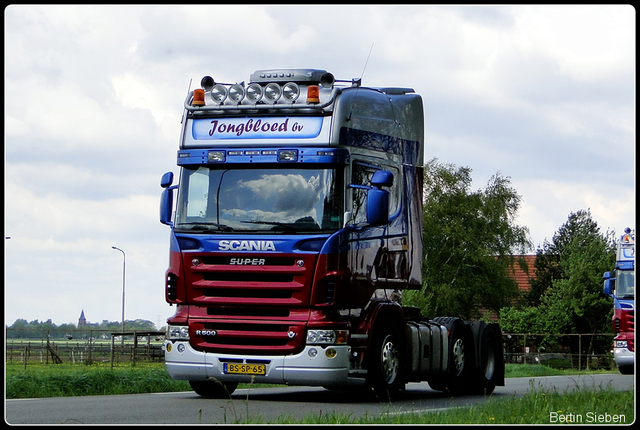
(198, 98)
(313, 94)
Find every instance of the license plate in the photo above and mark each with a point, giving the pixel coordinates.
(245, 369)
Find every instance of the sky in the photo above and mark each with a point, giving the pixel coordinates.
(93, 97)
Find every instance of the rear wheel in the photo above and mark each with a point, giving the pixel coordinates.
(490, 362)
(456, 379)
(214, 389)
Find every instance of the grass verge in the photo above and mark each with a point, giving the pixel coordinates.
(73, 380)
(603, 406)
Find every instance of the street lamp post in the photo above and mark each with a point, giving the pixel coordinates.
(124, 262)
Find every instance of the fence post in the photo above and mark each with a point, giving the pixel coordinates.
(579, 352)
(26, 349)
(112, 337)
(133, 351)
(89, 352)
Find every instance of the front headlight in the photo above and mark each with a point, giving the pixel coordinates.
(620, 344)
(327, 337)
(178, 332)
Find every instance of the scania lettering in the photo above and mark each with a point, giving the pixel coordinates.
(296, 224)
(620, 286)
(246, 245)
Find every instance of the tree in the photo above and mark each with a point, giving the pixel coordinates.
(568, 294)
(469, 239)
(546, 265)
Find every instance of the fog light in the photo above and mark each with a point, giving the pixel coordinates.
(181, 347)
(236, 93)
(330, 353)
(272, 92)
(218, 93)
(313, 352)
(291, 92)
(254, 93)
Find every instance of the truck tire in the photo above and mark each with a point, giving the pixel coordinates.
(490, 361)
(214, 389)
(455, 380)
(385, 375)
(626, 369)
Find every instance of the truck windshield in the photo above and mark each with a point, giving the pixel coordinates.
(299, 200)
(625, 284)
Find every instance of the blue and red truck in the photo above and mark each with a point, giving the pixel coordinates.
(620, 286)
(296, 224)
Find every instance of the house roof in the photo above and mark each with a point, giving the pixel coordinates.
(520, 276)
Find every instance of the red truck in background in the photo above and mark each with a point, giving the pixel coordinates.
(620, 286)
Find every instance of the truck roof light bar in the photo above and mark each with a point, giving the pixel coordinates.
(266, 87)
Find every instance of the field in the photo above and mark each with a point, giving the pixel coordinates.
(535, 407)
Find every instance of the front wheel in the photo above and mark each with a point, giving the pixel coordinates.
(214, 389)
(385, 366)
(626, 369)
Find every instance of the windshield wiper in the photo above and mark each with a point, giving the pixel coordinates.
(204, 226)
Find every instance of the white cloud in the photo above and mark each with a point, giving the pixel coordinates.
(94, 96)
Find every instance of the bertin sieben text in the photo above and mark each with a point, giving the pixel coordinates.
(588, 418)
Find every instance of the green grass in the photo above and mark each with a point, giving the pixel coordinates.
(523, 370)
(536, 407)
(77, 380)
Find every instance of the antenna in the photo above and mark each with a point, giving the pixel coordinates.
(365, 63)
(358, 82)
(188, 91)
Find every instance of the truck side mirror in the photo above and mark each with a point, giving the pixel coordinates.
(167, 180)
(609, 284)
(378, 199)
(166, 199)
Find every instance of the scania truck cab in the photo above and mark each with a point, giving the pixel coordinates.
(296, 225)
(620, 286)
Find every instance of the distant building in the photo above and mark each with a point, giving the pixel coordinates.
(82, 321)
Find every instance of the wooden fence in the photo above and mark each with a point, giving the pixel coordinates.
(575, 350)
(97, 346)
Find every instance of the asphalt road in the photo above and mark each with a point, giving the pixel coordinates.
(270, 403)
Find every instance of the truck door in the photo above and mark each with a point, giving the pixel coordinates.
(371, 265)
